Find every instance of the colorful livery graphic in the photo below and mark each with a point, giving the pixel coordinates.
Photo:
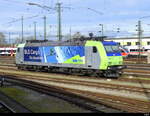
(58, 54)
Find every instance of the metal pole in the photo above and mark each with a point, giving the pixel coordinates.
(44, 27)
(59, 34)
(70, 33)
(35, 30)
(22, 28)
(50, 30)
(139, 36)
(102, 30)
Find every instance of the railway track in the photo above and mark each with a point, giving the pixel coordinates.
(118, 87)
(4, 108)
(141, 70)
(132, 69)
(135, 60)
(131, 76)
(82, 102)
(11, 106)
(52, 75)
(94, 89)
(135, 70)
(127, 94)
(124, 78)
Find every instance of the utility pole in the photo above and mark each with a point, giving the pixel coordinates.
(102, 30)
(22, 28)
(9, 38)
(35, 30)
(59, 33)
(50, 26)
(44, 27)
(58, 8)
(139, 37)
(70, 33)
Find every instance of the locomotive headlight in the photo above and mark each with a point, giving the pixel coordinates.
(120, 67)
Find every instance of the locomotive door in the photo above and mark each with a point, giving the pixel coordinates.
(88, 54)
(92, 57)
(95, 58)
(19, 55)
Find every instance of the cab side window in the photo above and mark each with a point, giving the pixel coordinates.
(18, 49)
(94, 49)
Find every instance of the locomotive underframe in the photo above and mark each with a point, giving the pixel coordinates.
(109, 73)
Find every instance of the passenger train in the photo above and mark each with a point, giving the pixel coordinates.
(8, 51)
(132, 45)
(84, 57)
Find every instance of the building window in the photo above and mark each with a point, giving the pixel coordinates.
(137, 43)
(129, 43)
(119, 43)
(148, 43)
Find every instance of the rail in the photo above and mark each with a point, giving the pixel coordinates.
(62, 94)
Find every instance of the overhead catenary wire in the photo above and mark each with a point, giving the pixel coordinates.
(14, 1)
(21, 19)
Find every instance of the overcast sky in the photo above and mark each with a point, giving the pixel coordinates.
(82, 15)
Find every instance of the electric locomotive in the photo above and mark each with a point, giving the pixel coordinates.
(84, 57)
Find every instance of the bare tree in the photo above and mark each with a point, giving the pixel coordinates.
(77, 35)
(18, 40)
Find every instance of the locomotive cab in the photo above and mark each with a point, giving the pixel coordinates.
(20, 54)
(115, 59)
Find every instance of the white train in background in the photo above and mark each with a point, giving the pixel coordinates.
(131, 45)
(8, 51)
(134, 50)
